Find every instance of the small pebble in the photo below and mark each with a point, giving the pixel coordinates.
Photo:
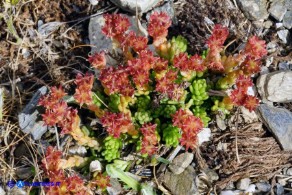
(243, 184)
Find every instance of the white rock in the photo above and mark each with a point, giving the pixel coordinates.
(2, 192)
(141, 6)
(204, 135)
(251, 189)
(243, 184)
(283, 35)
(289, 172)
(279, 86)
(248, 116)
(231, 192)
(279, 25)
(95, 166)
(93, 2)
(78, 150)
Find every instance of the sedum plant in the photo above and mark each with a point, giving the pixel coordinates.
(155, 97)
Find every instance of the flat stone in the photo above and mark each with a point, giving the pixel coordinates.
(29, 118)
(204, 135)
(278, 10)
(181, 162)
(243, 184)
(279, 122)
(287, 19)
(182, 183)
(254, 9)
(24, 172)
(278, 86)
(275, 86)
(141, 6)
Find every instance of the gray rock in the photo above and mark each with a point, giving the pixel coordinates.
(272, 47)
(181, 162)
(283, 35)
(24, 172)
(115, 187)
(243, 184)
(278, 10)
(279, 189)
(141, 6)
(254, 9)
(264, 70)
(167, 8)
(285, 66)
(287, 20)
(276, 86)
(182, 183)
(98, 39)
(248, 116)
(212, 175)
(263, 186)
(220, 122)
(288, 4)
(279, 122)
(29, 118)
(204, 135)
(103, 43)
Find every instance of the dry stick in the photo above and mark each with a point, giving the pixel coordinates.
(160, 187)
(236, 127)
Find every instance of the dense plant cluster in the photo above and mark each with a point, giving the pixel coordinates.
(155, 97)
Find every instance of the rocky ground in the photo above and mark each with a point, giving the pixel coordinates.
(44, 43)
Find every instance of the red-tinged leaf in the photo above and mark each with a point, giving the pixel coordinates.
(179, 117)
(251, 102)
(102, 181)
(147, 148)
(97, 60)
(181, 62)
(238, 96)
(188, 141)
(192, 125)
(218, 37)
(50, 118)
(57, 93)
(243, 82)
(196, 63)
(250, 66)
(75, 184)
(255, 48)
